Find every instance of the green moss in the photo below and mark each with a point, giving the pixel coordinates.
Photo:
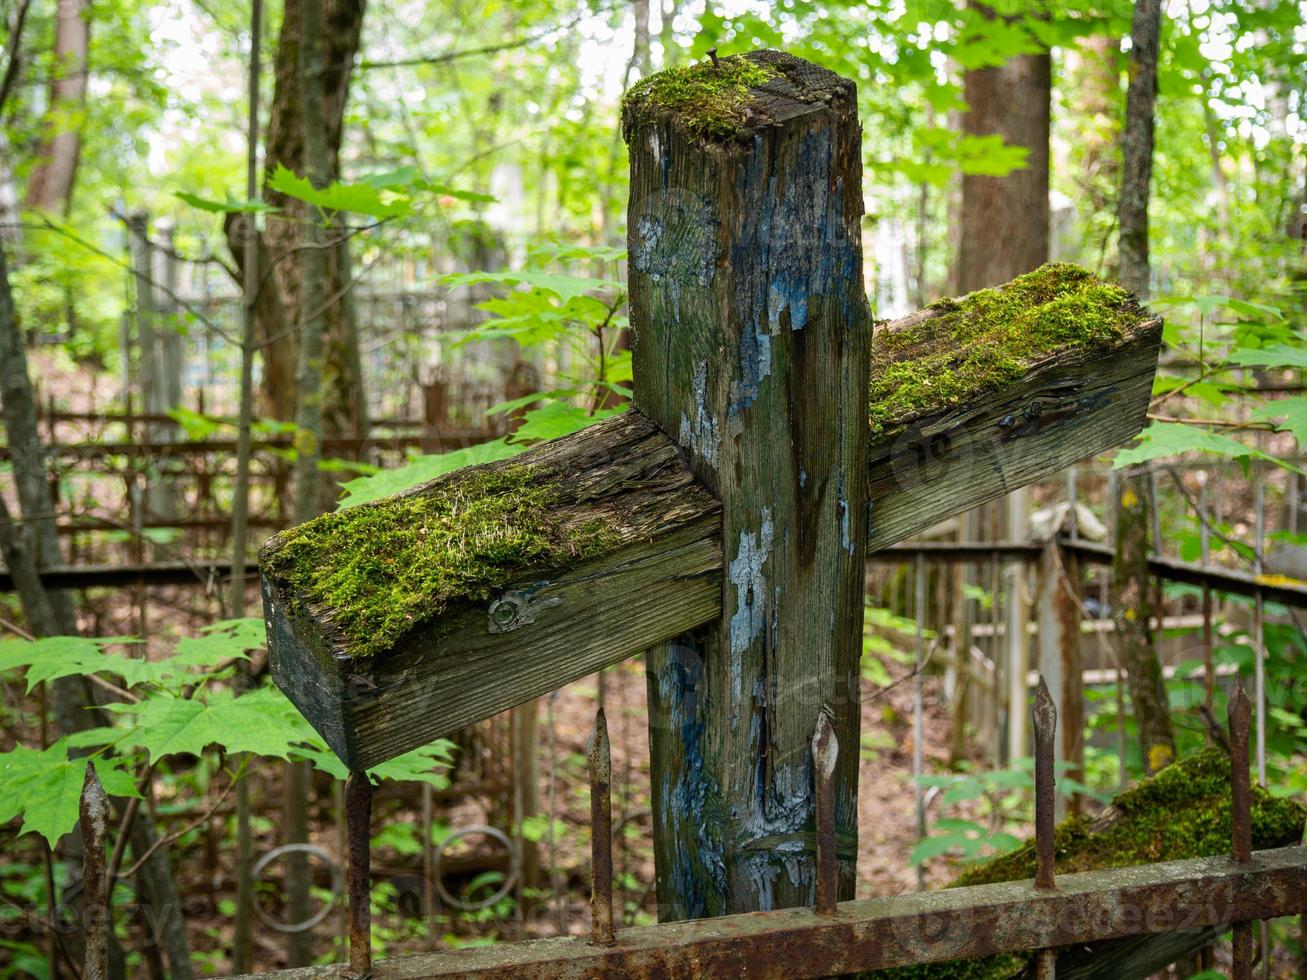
(711, 100)
(991, 337)
(1182, 812)
(379, 569)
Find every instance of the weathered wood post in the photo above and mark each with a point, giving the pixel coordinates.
(751, 348)
(1061, 660)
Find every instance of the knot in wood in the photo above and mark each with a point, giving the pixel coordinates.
(518, 608)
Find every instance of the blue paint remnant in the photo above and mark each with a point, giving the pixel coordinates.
(701, 434)
(755, 365)
(803, 478)
(750, 616)
(698, 868)
(784, 295)
(842, 511)
(675, 240)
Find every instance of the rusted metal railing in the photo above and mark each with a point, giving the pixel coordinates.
(833, 938)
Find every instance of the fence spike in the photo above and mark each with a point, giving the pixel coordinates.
(825, 752)
(599, 755)
(1046, 964)
(1240, 780)
(93, 817)
(358, 830)
(1045, 725)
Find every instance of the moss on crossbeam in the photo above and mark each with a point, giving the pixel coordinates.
(1182, 812)
(991, 337)
(379, 569)
(710, 100)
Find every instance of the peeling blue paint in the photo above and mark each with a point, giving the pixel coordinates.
(674, 240)
(698, 869)
(749, 618)
(782, 295)
(701, 434)
(755, 365)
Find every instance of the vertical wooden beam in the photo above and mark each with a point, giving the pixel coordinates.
(751, 350)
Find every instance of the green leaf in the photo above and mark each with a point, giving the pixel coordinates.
(934, 846)
(54, 657)
(225, 207)
(1176, 438)
(558, 419)
(1279, 356)
(361, 198)
(425, 764)
(45, 787)
(559, 284)
(1293, 412)
(263, 722)
(230, 639)
(421, 469)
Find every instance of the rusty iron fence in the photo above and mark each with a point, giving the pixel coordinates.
(1048, 914)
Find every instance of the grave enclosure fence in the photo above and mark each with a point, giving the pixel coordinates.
(722, 528)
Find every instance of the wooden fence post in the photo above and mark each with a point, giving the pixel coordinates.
(751, 346)
(1061, 659)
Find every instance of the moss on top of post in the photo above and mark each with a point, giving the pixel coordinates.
(711, 98)
(381, 568)
(721, 99)
(991, 337)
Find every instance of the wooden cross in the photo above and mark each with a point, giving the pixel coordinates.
(720, 526)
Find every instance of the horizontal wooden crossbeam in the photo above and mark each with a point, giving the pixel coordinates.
(904, 930)
(656, 572)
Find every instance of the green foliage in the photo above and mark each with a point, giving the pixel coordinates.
(390, 565)
(1182, 812)
(45, 787)
(180, 706)
(1002, 799)
(422, 469)
(1163, 439)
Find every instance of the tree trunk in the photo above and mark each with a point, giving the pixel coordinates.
(1137, 147)
(1133, 609)
(1005, 219)
(34, 543)
(1004, 234)
(283, 238)
(313, 262)
(51, 184)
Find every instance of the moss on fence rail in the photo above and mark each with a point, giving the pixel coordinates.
(380, 568)
(960, 348)
(1182, 812)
